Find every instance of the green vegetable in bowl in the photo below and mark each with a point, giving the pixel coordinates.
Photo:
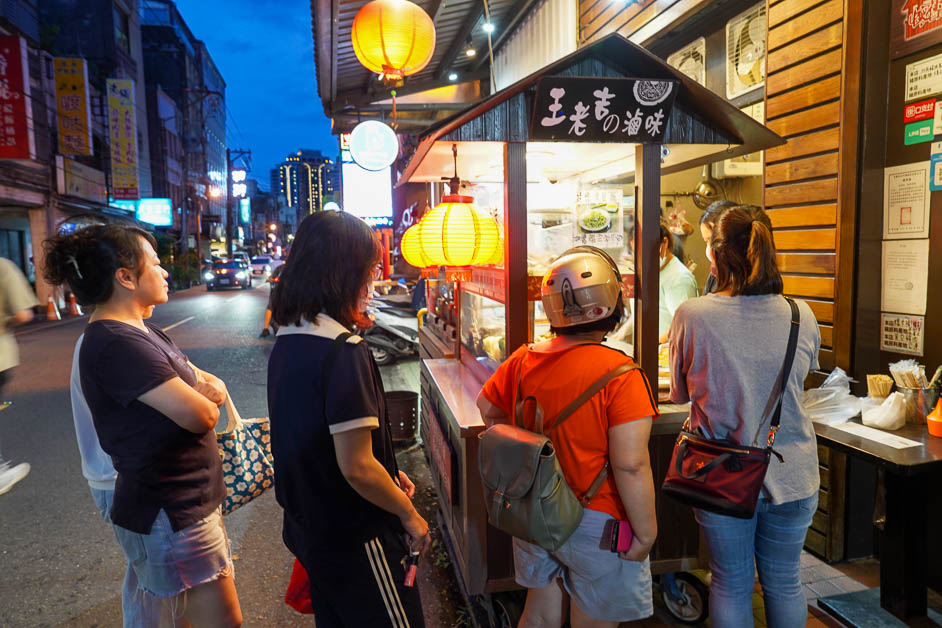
(595, 220)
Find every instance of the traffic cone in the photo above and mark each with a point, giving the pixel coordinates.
(74, 309)
(52, 312)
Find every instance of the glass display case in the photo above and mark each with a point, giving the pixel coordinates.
(483, 330)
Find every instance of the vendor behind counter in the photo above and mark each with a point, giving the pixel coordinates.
(677, 283)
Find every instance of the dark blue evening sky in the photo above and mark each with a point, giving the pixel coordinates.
(265, 52)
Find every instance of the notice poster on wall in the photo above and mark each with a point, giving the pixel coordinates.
(924, 78)
(905, 276)
(906, 201)
(900, 333)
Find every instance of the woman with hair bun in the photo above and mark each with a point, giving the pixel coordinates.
(726, 355)
(154, 413)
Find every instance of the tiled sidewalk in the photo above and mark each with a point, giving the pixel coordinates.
(818, 579)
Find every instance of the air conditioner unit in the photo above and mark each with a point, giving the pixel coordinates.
(747, 165)
(691, 60)
(745, 51)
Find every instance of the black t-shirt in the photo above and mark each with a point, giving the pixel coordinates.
(321, 508)
(160, 465)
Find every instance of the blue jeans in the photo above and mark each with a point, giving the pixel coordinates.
(771, 541)
(138, 608)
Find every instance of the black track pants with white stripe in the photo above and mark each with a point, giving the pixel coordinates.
(361, 586)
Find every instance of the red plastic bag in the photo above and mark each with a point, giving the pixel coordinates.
(298, 595)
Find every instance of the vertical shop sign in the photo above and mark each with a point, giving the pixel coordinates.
(579, 109)
(72, 110)
(916, 24)
(122, 128)
(16, 109)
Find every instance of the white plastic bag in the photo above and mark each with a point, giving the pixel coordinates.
(889, 415)
(832, 403)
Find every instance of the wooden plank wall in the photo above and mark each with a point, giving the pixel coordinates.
(638, 21)
(803, 103)
(812, 100)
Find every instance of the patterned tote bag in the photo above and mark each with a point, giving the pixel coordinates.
(245, 448)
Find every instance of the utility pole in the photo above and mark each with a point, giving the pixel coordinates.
(201, 94)
(230, 205)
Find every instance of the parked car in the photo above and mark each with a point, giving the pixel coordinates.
(228, 274)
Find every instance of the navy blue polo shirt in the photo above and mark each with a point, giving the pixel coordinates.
(307, 406)
(160, 465)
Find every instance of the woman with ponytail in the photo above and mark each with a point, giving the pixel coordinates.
(726, 355)
(154, 415)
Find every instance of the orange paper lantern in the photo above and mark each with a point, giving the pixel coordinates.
(394, 38)
(455, 233)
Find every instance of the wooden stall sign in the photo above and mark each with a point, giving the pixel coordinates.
(915, 25)
(444, 456)
(487, 282)
(601, 109)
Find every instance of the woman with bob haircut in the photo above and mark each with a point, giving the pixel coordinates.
(348, 514)
(154, 413)
(726, 356)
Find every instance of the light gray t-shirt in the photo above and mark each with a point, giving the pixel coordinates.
(726, 359)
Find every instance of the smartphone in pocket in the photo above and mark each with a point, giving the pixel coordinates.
(616, 536)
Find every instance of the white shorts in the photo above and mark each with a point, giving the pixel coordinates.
(603, 585)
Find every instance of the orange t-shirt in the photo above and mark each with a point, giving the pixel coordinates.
(556, 378)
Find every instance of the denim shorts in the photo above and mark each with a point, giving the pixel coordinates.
(603, 585)
(168, 563)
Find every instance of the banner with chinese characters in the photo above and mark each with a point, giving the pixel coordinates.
(73, 112)
(914, 25)
(122, 129)
(16, 133)
(598, 109)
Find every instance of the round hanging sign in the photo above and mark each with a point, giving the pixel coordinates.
(374, 145)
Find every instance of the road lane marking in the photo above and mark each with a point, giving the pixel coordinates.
(178, 323)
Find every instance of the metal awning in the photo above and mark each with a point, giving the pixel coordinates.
(703, 127)
(348, 90)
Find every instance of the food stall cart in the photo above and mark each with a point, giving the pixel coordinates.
(557, 158)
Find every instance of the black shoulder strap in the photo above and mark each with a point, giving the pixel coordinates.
(794, 327)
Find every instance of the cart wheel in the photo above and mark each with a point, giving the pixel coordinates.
(692, 604)
(508, 607)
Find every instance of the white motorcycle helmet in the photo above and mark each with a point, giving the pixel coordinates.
(581, 286)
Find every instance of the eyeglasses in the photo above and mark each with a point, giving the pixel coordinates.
(378, 272)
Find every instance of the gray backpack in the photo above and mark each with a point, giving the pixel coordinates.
(526, 495)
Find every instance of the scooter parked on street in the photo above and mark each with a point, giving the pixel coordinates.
(395, 330)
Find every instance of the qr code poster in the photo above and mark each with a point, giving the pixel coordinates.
(902, 334)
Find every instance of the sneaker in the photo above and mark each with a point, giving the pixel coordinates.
(265, 333)
(10, 475)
